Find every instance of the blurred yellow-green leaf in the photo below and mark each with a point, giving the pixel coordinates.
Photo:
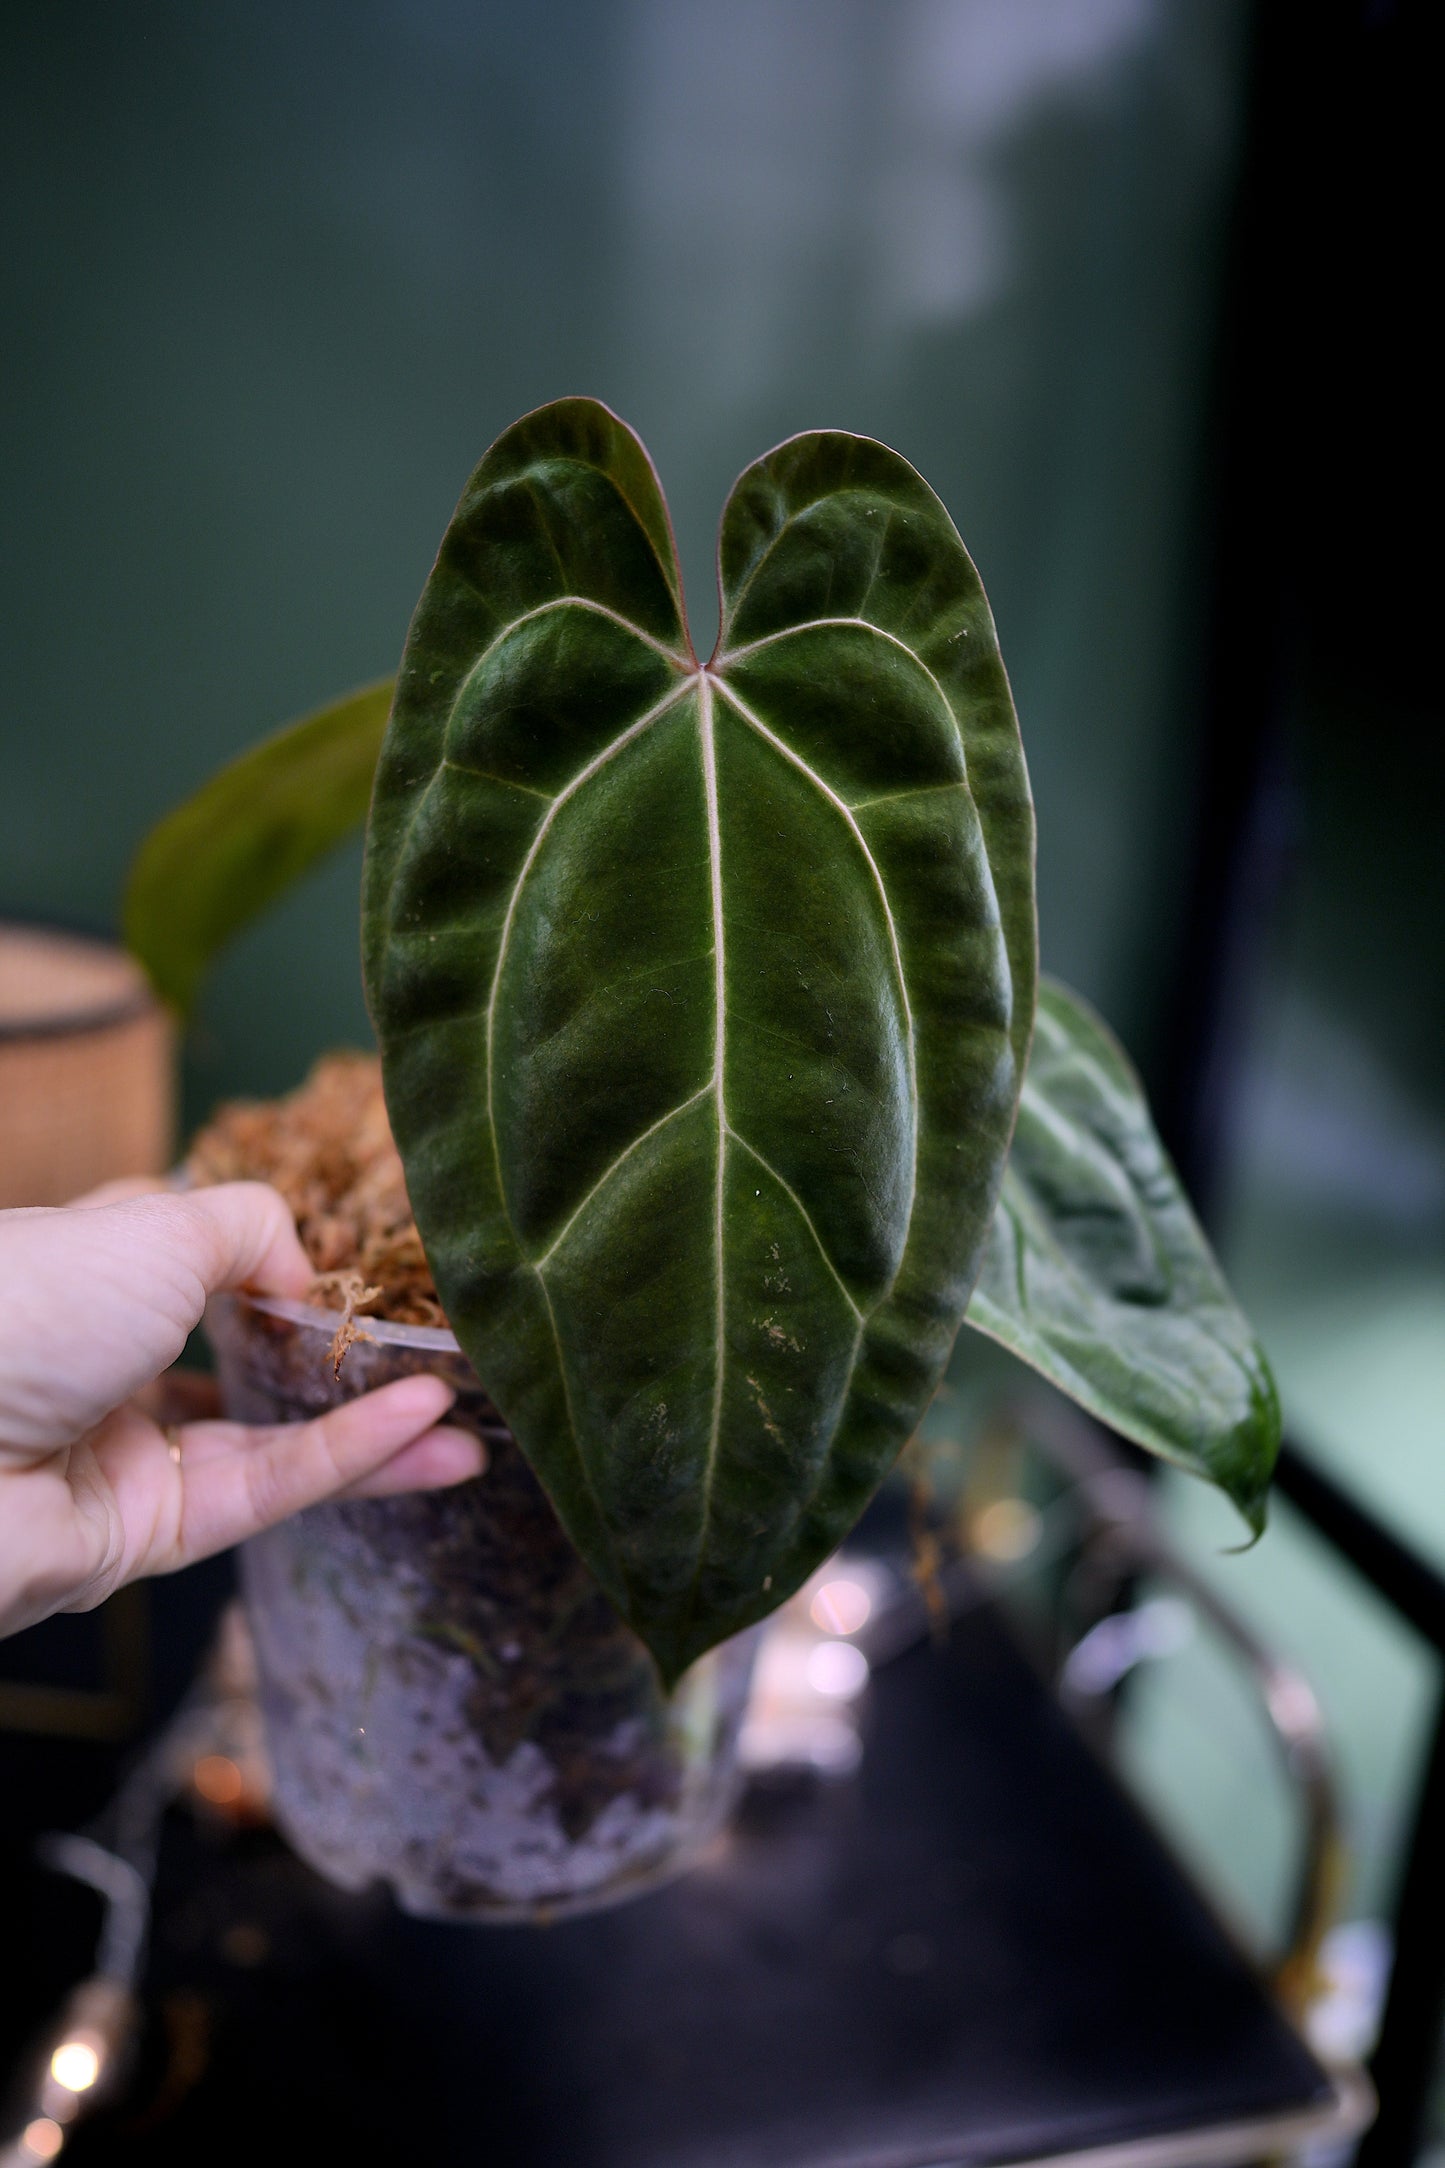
(220, 857)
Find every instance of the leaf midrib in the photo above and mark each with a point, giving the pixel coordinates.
(841, 806)
(706, 678)
(714, 856)
(709, 683)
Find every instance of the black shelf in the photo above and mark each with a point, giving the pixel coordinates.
(976, 1951)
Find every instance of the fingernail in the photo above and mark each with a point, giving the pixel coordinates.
(460, 1452)
(421, 1398)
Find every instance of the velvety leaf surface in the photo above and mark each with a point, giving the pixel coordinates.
(216, 861)
(703, 992)
(1098, 1274)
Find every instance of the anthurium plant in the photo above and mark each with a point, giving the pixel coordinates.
(709, 1014)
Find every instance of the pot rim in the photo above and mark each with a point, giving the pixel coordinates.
(435, 1339)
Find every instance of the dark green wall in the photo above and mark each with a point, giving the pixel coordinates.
(277, 275)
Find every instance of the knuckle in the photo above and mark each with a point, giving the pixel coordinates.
(329, 1433)
(267, 1494)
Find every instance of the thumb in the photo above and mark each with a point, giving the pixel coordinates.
(239, 1234)
(100, 1299)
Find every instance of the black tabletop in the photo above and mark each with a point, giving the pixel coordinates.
(975, 1951)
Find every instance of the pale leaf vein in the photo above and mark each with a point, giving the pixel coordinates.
(714, 842)
(865, 624)
(803, 1213)
(755, 722)
(584, 775)
(613, 1167)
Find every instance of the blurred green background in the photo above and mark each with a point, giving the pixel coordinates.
(278, 276)
(275, 278)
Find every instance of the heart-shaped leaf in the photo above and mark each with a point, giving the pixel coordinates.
(1098, 1273)
(703, 992)
(216, 860)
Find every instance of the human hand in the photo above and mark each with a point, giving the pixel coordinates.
(96, 1299)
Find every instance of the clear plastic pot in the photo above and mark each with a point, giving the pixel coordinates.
(451, 1704)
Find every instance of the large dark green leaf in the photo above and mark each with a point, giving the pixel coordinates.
(218, 859)
(1098, 1274)
(703, 992)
